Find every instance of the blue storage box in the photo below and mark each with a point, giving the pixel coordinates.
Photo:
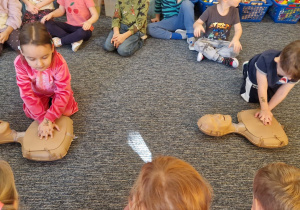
(254, 11)
(283, 13)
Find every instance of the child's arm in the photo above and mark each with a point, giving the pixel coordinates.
(265, 114)
(280, 94)
(60, 11)
(87, 24)
(235, 42)
(5, 34)
(156, 19)
(33, 9)
(43, 3)
(157, 10)
(198, 28)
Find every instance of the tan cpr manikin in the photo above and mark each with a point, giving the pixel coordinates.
(267, 136)
(33, 147)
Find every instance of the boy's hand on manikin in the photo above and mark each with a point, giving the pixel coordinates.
(237, 47)
(32, 9)
(154, 20)
(197, 30)
(86, 25)
(46, 17)
(46, 128)
(3, 37)
(265, 116)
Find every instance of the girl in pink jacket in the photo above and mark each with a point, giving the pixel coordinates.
(43, 78)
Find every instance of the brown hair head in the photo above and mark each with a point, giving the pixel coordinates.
(35, 33)
(277, 187)
(8, 191)
(290, 59)
(170, 183)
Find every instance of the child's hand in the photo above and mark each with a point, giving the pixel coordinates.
(86, 25)
(154, 20)
(32, 9)
(46, 17)
(45, 129)
(237, 47)
(265, 116)
(198, 29)
(119, 39)
(3, 37)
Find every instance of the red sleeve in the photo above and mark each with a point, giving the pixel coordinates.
(63, 91)
(30, 99)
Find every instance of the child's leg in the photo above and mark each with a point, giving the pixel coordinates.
(76, 36)
(131, 44)
(58, 29)
(248, 90)
(42, 13)
(186, 17)
(107, 45)
(31, 111)
(224, 50)
(203, 46)
(13, 40)
(163, 29)
(28, 18)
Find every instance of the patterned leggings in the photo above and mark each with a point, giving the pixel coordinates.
(13, 41)
(30, 18)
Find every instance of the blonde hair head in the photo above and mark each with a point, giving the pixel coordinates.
(8, 191)
(168, 183)
(277, 187)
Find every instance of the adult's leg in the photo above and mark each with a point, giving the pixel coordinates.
(164, 28)
(107, 45)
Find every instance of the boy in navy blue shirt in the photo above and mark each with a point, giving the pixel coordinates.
(269, 77)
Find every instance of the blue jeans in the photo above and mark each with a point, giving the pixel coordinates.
(129, 46)
(184, 20)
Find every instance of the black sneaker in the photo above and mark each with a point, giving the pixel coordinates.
(231, 62)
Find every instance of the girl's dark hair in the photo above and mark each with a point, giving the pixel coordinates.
(35, 33)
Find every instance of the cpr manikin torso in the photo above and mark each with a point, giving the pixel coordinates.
(270, 136)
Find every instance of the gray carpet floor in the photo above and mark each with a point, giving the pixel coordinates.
(159, 93)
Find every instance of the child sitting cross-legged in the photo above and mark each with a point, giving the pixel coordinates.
(169, 183)
(81, 14)
(214, 44)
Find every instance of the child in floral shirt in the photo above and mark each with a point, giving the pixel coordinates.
(128, 27)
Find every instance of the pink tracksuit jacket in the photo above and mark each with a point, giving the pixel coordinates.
(37, 87)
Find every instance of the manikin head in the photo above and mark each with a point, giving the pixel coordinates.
(169, 183)
(276, 187)
(216, 124)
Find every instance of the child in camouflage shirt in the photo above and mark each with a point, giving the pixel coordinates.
(128, 27)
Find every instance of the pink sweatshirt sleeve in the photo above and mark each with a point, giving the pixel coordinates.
(30, 99)
(62, 93)
(14, 14)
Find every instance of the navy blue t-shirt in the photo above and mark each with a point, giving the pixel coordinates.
(265, 63)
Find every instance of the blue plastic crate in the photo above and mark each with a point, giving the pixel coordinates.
(253, 12)
(282, 13)
(204, 5)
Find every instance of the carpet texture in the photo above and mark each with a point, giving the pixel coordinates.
(158, 93)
